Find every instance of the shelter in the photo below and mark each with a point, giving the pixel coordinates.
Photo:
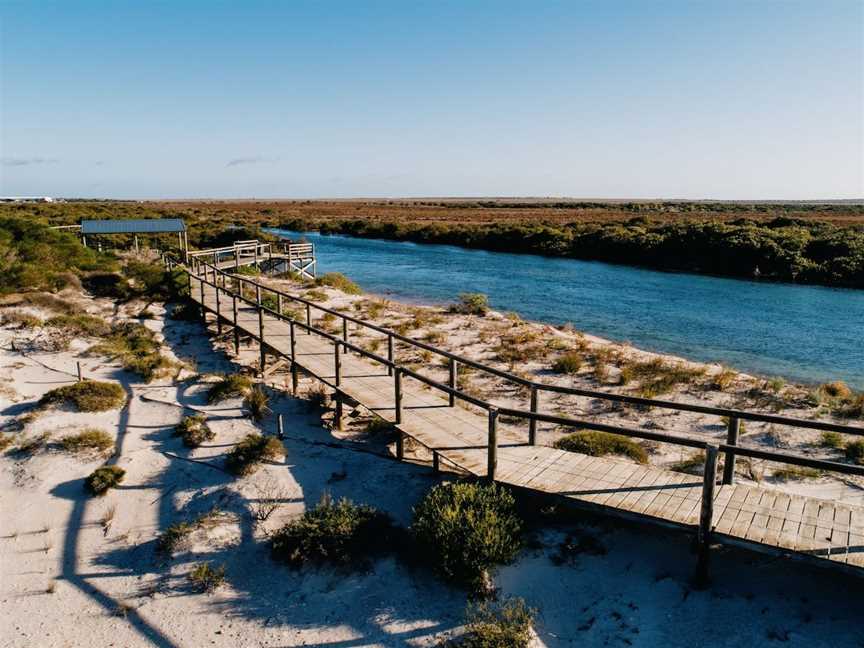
(136, 227)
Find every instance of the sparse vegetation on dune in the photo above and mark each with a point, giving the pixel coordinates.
(471, 304)
(253, 449)
(88, 440)
(194, 430)
(80, 324)
(86, 396)
(206, 579)
(258, 403)
(569, 363)
(600, 444)
(340, 282)
(336, 532)
(137, 349)
(497, 624)
(230, 386)
(104, 478)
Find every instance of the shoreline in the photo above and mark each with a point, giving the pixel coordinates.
(811, 379)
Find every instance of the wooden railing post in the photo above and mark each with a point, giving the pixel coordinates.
(257, 294)
(308, 319)
(236, 330)
(732, 430)
(492, 452)
(80, 373)
(532, 424)
(337, 364)
(203, 311)
(454, 370)
(345, 329)
(236, 259)
(294, 377)
(280, 427)
(279, 303)
(703, 535)
(261, 338)
(390, 354)
(397, 392)
(218, 312)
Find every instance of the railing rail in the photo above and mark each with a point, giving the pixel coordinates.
(731, 450)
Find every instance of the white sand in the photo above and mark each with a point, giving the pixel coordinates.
(111, 589)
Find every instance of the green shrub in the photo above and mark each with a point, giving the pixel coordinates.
(855, 451)
(831, 440)
(258, 403)
(340, 533)
(251, 451)
(467, 528)
(693, 464)
(471, 304)
(101, 479)
(505, 624)
(137, 348)
(231, 386)
(207, 579)
(599, 444)
(81, 324)
(315, 295)
(340, 282)
(569, 363)
(87, 396)
(194, 430)
(88, 440)
(796, 473)
(853, 407)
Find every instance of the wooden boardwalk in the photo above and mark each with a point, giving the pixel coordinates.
(757, 517)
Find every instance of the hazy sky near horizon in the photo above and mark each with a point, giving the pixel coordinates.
(728, 100)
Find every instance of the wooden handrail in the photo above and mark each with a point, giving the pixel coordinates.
(400, 370)
(574, 391)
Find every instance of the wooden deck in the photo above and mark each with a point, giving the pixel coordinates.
(757, 517)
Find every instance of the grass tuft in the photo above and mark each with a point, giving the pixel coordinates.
(855, 451)
(340, 282)
(258, 403)
(207, 579)
(194, 430)
(231, 386)
(569, 363)
(251, 451)
(81, 325)
(600, 444)
(137, 348)
(101, 479)
(87, 396)
(498, 624)
(471, 304)
(88, 440)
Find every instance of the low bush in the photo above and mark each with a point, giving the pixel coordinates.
(258, 403)
(81, 325)
(471, 304)
(207, 579)
(316, 295)
(251, 451)
(340, 282)
(231, 386)
(20, 320)
(319, 397)
(101, 479)
(194, 430)
(852, 407)
(693, 464)
(796, 473)
(137, 348)
(659, 376)
(186, 311)
(6, 440)
(499, 624)
(599, 444)
(88, 440)
(855, 451)
(837, 390)
(831, 440)
(569, 363)
(87, 396)
(467, 528)
(340, 533)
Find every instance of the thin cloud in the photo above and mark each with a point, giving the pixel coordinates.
(248, 160)
(15, 161)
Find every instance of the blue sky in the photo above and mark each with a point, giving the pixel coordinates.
(731, 100)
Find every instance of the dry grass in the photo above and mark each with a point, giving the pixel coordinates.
(88, 440)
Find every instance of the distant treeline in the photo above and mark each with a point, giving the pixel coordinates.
(782, 249)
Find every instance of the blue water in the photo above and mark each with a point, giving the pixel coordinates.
(804, 333)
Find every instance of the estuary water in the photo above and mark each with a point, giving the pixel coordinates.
(804, 333)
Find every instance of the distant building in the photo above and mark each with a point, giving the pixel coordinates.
(26, 199)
